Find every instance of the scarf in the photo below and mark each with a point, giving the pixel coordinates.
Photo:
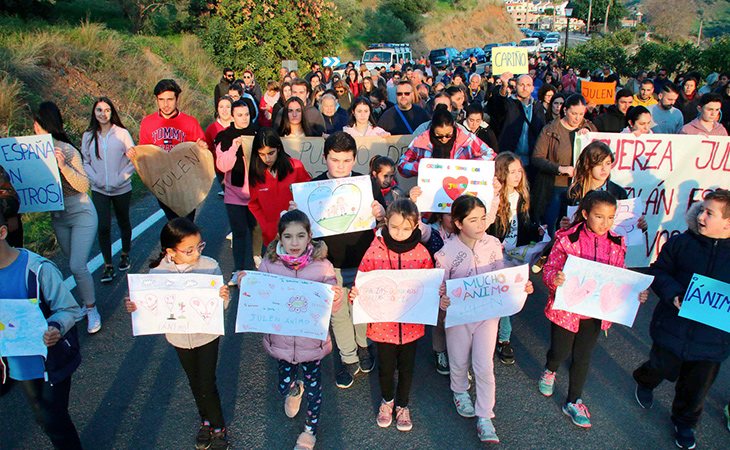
(401, 246)
(295, 262)
(442, 149)
(271, 101)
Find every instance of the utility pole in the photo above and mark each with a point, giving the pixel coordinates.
(701, 13)
(605, 23)
(588, 24)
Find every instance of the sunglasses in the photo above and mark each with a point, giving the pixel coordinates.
(198, 248)
(401, 94)
(444, 137)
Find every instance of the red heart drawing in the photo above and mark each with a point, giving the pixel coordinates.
(454, 187)
(613, 296)
(575, 292)
(204, 307)
(386, 301)
(519, 278)
(457, 292)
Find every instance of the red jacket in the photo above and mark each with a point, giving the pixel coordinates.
(378, 257)
(272, 197)
(210, 133)
(167, 133)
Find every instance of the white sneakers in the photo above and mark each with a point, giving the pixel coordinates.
(93, 320)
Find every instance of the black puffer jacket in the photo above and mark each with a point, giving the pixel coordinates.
(681, 257)
(611, 121)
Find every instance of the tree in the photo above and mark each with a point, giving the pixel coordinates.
(671, 18)
(617, 11)
(384, 26)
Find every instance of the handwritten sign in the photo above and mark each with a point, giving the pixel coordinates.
(600, 290)
(33, 170)
(668, 173)
(406, 296)
(186, 303)
(22, 326)
(180, 178)
(486, 296)
(706, 301)
(336, 206)
(625, 222)
(286, 306)
(510, 59)
(444, 180)
(598, 93)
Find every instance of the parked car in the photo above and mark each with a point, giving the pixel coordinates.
(527, 32)
(488, 50)
(550, 44)
(340, 68)
(442, 58)
(477, 52)
(541, 35)
(553, 34)
(532, 45)
(509, 44)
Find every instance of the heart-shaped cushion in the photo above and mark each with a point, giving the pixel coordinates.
(387, 301)
(180, 178)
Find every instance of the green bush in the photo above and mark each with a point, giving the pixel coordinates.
(716, 57)
(383, 25)
(598, 51)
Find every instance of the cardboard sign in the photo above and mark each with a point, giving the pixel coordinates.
(598, 93)
(406, 296)
(706, 301)
(486, 296)
(33, 170)
(600, 290)
(22, 326)
(180, 178)
(510, 59)
(286, 306)
(444, 180)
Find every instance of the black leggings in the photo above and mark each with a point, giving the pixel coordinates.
(564, 343)
(200, 364)
(400, 357)
(50, 408)
(103, 204)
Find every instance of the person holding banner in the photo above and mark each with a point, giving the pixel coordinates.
(667, 118)
(639, 121)
(46, 383)
(684, 350)
(181, 252)
(396, 246)
(572, 335)
(104, 146)
(76, 225)
(708, 122)
(470, 253)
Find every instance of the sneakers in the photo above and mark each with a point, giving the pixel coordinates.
(727, 415)
(108, 275)
(221, 193)
(546, 383)
(218, 440)
(294, 399)
(202, 439)
(93, 319)
(464, 405)
(442, 363)
(578, 413)
(233, 282)
(385, 414)
(305, 441)
(403, 419)
(684, 437)
(367, 362)
(506, 353)
(486, 431)
(644, 396)
(346, 376)
(124, 262)
(537, 267)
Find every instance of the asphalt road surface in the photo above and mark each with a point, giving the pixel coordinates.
(131, 393)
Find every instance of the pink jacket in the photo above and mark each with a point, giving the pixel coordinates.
(460, 261)
(294, 349)
(224, 162)
(579, 241)
(371, 131)
(695, 127)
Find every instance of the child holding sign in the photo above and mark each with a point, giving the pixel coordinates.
(294, 254)
(470, 253)
(684, 350)
(396, 246)
(573, 335)
(198, 353)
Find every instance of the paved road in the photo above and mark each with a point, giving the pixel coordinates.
(130, 393)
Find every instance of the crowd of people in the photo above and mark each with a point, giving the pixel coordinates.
(526, 124)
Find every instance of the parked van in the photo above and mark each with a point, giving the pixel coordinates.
(379, 55)
(442, 58)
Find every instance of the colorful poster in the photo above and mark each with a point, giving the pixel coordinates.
(668, 173)
(184, 303)
(406, 296)
(600, 290)
(486, 296)
(706, 301)
(510, 59)
(626, 221)
(286, 306)
(444, 180)
(598, 93)
(31, 164)
(336, 206)
(22, 326)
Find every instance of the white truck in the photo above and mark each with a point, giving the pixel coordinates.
(384, 54)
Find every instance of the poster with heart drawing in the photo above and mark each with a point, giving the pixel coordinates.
(185, 303)
(337, 205)
(405, 296)
(444, 180)
(486, 296)
(285, 306)
(600, 290)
